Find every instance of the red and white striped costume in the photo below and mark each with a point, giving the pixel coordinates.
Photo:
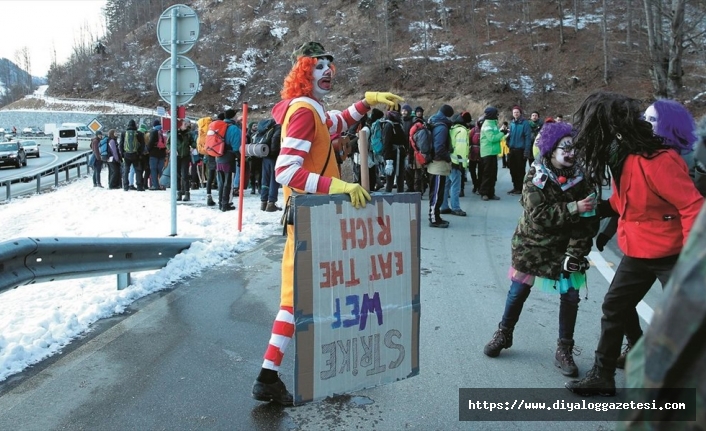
(302, 165)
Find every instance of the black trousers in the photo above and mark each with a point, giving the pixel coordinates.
(225, 182)
(633, 279)
(183, 177)
(516, 163)
(132, 160)
(437, 186)
(476, 173)
(489, 165)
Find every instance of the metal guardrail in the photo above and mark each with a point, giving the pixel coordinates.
(35, 260)
(75, 162)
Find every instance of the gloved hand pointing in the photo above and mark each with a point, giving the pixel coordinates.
(389, 169)
(391, 100)
(359, 196)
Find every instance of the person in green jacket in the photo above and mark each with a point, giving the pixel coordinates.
(490, 136)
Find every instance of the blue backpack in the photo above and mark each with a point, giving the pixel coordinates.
(103, 147)
(376, 136)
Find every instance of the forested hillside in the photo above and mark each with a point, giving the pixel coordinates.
(545, 55)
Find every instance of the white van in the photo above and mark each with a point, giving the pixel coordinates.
(82, 131)
(65, 138)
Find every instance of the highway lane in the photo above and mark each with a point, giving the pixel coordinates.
(36, 165)
(186, 358)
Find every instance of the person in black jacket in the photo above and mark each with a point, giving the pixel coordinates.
(394, 149)
(131, 153)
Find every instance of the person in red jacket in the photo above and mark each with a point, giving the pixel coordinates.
(657, 204)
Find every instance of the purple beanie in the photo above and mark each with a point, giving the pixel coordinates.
(550, 135)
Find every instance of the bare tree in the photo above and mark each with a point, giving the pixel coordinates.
(605, 42)
(576, 16)
(24, 61)
(560, 7)
(628, 29)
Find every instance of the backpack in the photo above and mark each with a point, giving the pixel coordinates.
(474, 154)
(421, 141)
(376, 136)
(265, 132)
(103, 147)
(216, 138)
(203, 124)
(161, 143)
(130, 141)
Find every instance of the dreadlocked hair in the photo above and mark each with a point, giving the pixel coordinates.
(609, 129)
(298, 81)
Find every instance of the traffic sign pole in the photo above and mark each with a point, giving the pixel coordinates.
(177, 37)
(173, 124)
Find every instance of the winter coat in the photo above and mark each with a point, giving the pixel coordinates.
(152, 144)
(441, 165)
(490, 137)
(393, 139)
(520, 136)
(459, 146)
(550, 225)
(657, 202)
(185, 143)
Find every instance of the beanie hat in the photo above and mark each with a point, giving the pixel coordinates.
(466, 117)
(99, 133)
(393, 116)
(491, 113)
(418, 109)
(143, 128)
(447, 111)
(550, 135)
(407, 108)
(156, 123)
(131, 124)
(518, 108)
(230, 113)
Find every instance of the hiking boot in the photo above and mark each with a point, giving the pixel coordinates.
(620, 363)
(272, 207)
(485, 198)
(180, 196)
(502, 339)
(187, 197)
(272, 392)
(597, 382)
(209, 201)
(446, 211)
(440, 223)
(460, 213)
(263, 205)
(494, 198)
(564, 357)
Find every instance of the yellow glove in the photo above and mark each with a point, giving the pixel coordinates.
(359, 196)
(389, 99)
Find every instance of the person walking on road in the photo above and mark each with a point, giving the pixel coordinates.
(551, 242)
(306, 162)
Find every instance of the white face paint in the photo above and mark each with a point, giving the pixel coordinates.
(651, 116)
(323, 78)
(563, 155)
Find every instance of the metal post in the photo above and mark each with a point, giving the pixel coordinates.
(7, 191)
(56, 177)
(39, 183)
(124, 280)
(173, 124)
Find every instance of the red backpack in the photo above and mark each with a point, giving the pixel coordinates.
(216, 138)
(420, 142)
(474, 154)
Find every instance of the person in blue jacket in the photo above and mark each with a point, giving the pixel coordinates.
(519, 140)
(225, 165)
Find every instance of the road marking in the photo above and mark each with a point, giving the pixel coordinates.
(643, 310)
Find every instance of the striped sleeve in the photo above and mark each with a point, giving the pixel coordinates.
(295, 146)
(339, 122)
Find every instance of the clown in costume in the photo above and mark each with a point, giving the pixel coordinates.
(307, 164)
(551, 241)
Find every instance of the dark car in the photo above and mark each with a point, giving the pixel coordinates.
(12, 153)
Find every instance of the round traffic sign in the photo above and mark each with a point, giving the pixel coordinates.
(186, 32)
(187, 80)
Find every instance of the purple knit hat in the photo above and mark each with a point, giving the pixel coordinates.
(550, 135)
(675, 125)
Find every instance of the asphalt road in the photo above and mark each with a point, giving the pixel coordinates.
(36, 165)
(186, 358)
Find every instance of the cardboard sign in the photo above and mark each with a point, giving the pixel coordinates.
(356, 293)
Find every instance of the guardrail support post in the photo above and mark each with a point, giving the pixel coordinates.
(123, 281)
(39, 183)
(56, 177)
(67, 174)
(8, 195)
(78, 171)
